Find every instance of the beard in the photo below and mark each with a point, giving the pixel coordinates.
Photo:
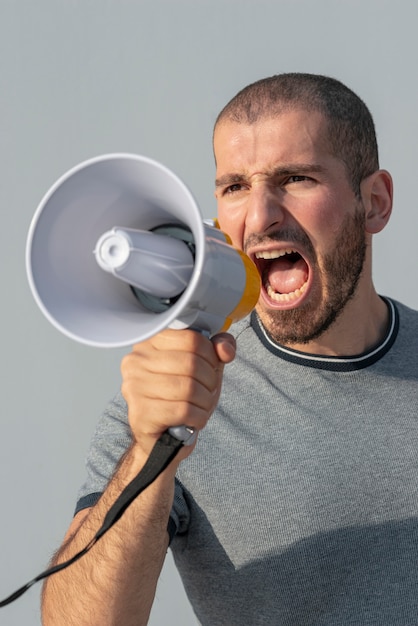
(339, 272)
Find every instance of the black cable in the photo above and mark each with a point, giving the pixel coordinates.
(163, 452)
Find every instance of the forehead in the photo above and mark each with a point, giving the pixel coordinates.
(291, 136)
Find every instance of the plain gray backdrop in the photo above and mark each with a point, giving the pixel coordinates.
(84, 77)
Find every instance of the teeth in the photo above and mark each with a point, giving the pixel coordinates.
(274, 295)
(273, 254)
(285, 297)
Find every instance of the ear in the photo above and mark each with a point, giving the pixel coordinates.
(377, 194)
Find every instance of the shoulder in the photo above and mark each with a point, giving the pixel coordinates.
(406, 313)
(408, 321)
(404, 350)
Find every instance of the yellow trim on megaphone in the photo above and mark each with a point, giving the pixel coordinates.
(252, 285)
(251, 292)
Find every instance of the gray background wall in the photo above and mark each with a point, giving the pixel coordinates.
(83, 77)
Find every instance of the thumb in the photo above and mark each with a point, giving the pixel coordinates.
(225, 347)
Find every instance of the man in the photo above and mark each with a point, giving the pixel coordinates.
(298, 503)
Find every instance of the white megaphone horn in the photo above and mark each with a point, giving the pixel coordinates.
(117, 251)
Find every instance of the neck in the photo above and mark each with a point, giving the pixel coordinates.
(360, 327)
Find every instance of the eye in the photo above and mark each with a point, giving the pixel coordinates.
(231, 189)
(298, 178)
(295, 183)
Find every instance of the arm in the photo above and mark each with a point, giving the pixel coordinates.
(115, 582)
(172, 379)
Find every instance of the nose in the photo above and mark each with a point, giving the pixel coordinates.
(264, 209)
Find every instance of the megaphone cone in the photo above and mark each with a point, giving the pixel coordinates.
(90, 305)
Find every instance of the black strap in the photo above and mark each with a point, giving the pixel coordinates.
(163, 452)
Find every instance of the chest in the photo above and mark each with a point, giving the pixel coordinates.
(283, 459)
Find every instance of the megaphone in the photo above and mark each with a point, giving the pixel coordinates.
(117, 251)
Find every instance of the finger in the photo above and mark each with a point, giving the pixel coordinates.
(185, 341)
(169, 388)
(150, 367)
(225, 347)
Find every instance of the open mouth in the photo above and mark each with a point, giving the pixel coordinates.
(284, 273)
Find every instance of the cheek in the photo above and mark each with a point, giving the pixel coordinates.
(232, 225)
(323, 222)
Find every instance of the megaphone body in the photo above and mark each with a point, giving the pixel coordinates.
(117, 251)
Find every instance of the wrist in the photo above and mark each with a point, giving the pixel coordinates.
(135, 459)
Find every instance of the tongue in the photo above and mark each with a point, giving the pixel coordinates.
(284, 276)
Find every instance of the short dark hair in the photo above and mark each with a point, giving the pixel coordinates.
(351, 130)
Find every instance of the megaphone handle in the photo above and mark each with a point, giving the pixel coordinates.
(186, 434)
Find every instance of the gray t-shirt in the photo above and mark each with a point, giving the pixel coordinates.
(299, 504)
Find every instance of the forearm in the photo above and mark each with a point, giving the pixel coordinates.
(115, 582)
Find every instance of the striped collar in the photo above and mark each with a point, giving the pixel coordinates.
(332, 363)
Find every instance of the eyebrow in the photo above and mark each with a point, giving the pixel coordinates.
(277, 172)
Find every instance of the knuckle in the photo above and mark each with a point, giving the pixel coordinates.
(185, 387)
(128, 364)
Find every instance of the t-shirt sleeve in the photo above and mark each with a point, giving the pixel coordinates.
(111, 439)
(180, 512)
